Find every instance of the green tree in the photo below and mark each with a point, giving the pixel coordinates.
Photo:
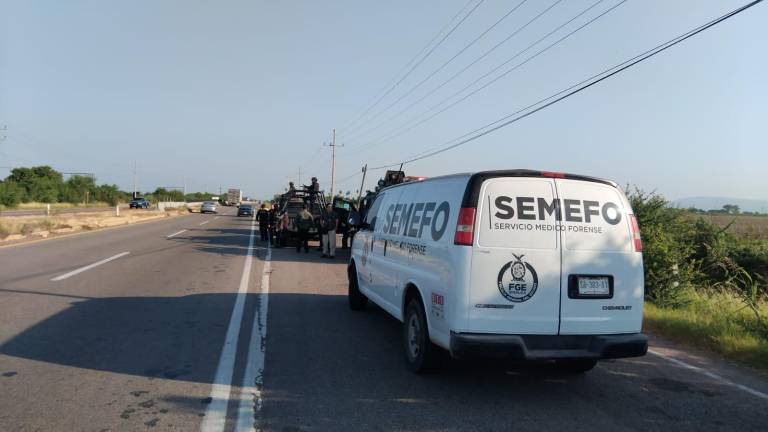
(11, 193)
(731, 209)
(77, 188)
(110, 194)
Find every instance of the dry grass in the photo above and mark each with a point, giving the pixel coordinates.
(754, 227)
(21, 227)
(37, 205)
(716, 322)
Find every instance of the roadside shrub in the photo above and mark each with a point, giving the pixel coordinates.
(4, 231)
(684, 254)
(667, 248)
(26, 229)
(47, 224)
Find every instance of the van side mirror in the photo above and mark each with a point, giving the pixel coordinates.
(354, 219)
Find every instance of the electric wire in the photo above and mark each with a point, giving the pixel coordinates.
(577, 88)
(418, 120)
(421, 60)
(442, 66)
(468, 66)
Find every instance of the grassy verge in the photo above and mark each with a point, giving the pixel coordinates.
(717, 322)
(38, 205)
(22, 227)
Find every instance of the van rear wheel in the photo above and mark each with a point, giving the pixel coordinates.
(575, 365)
(357, 301)
(421, 355)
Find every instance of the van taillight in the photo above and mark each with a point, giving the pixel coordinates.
(465, 227)
(636, 233)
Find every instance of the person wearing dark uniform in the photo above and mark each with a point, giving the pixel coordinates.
(329, 222)
(304, 222)
(273, 224)
(263, 217)
(313, 189)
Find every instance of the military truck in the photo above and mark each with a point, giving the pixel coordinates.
(292, 202)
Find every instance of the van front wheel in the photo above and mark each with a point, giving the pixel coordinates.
(421, 355)
(575, 365)
(357, 301)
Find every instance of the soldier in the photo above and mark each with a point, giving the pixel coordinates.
(304, 222)
(313, 189)
(329, 224)
(273, 219)
(263, 217)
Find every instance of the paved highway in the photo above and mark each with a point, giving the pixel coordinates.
(182, 325)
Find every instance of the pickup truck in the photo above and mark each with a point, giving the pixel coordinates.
(139, 203)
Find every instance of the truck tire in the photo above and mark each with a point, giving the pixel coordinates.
(421, 355)
(575, 365)
(357, 301)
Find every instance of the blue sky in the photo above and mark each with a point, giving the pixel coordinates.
(242, 93)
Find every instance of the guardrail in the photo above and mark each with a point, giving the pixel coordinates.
(175, 204)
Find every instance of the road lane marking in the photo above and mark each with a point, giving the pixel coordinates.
(709, 374)
(88, 267)
(176, 233)
(216, 217)
(216, 413)
(253, 378)
(203, 223)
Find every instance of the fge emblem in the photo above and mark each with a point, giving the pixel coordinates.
(517, 280)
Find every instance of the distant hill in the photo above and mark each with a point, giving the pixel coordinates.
(716, 203)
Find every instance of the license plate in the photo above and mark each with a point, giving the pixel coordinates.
(594, 286)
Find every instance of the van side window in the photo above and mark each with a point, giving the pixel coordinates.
(372, 215)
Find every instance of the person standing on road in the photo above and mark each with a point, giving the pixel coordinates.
(304, 222)
(330, 222)
(263, 217)
(273, 223)
(282, 229)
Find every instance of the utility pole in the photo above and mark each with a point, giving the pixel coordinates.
(333, 146)
(300, 175)
(134, 179)
(362, 183)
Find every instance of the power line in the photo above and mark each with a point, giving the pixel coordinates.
(394, 78)
(416, 121)
(421, 60)
(473, 62)
(577, 88)
(446, 63)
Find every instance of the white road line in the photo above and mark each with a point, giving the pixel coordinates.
(216, 217)
(715, 377)
(203, 223)
(88, 267)
(176, 233)
(250, 396)
(216, 412)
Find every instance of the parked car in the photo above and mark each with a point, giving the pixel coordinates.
(245, 210)
(519, 264)
(208, 207)
(138, 203)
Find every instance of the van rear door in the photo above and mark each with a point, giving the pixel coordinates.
(515, 278)
(602, 274)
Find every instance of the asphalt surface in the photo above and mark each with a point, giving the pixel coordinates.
(135, 343)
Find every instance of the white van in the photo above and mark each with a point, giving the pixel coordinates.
(514, 264)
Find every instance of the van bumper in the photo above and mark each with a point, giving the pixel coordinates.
(547, 347)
